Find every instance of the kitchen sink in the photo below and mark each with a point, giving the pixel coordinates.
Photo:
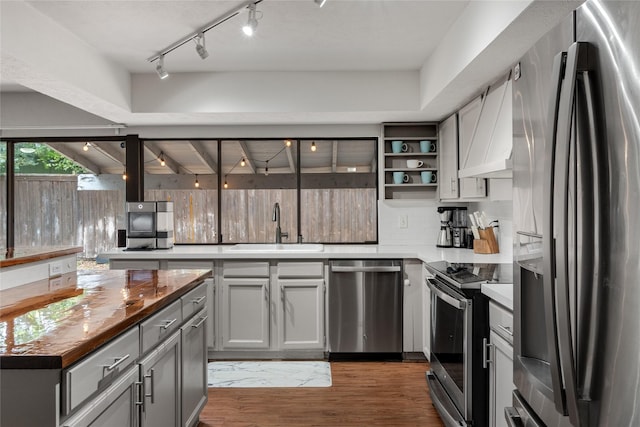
(277, 247)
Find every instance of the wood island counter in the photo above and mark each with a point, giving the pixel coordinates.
(51, 332)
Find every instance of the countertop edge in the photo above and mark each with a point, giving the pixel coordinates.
(10, 262)
(502, 293)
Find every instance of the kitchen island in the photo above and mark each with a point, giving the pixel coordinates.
(63, 345)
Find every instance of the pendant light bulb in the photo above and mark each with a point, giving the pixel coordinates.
(124, 176)
(225, 184)
(197, 184)
(252, 23)
(161, 158)
(242, 162)
(288, 142)
(313, 147)
(86, 146)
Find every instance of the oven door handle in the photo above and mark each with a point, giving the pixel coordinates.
(460, 304)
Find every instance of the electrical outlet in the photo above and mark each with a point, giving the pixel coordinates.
(403, 221)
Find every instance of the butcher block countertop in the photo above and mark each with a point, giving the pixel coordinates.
(25, 255)
(51, 324)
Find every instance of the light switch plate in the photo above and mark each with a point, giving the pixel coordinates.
(403, 221)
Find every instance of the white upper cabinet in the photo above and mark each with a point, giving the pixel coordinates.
(485, 148)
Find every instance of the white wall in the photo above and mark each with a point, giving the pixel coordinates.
(421, 219)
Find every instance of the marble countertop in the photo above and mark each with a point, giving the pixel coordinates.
(25, 255)
(426, 253)
(502, 293)
(51, 324)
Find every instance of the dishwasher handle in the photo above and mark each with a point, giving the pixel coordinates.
(373, 269)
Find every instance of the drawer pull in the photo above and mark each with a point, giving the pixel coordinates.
(114, 365)
(202, 320)
(199, 300)
(506, 329)
(168, 323)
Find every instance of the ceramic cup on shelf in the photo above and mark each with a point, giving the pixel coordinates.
(396, 146)
(400, 177)
(412, 164)
(427, 146)
(428, 177)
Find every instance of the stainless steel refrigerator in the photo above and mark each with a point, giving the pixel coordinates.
(576, 157)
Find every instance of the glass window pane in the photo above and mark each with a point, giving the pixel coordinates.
(338, 195)
(257, 174)
(195, 218)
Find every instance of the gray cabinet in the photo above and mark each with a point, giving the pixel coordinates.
(426, 312)
(448, 137)
(412, 307)
(500, 351)
(116, 406)
(194, 368)
(160, 377)
(245, 313)
(301, 314)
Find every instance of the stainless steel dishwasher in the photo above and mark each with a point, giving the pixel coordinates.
(365, 307)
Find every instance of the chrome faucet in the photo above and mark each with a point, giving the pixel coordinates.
(276, 218)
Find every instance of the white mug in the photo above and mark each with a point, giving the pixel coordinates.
(412, 164)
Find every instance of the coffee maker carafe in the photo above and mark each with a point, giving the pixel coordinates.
(444, 235)
(459, 227)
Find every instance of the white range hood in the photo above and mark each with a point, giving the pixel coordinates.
(489, 154)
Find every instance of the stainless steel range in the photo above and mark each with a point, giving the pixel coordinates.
(458, 380)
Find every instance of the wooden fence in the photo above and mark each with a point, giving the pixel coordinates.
(51, 211)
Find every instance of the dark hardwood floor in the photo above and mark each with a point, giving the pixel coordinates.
(362, 394)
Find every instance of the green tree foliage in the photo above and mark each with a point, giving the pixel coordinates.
(37, 158)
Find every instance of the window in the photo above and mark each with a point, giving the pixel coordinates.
(184, 172)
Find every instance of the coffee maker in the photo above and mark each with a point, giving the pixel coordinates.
(459, 227)
(444, 235)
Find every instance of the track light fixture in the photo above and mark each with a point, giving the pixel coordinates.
(252, 23)
(200, 46)
(320, 3)
(162, 73)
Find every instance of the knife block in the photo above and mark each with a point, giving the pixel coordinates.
(487, 243)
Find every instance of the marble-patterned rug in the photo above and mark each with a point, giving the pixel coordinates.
(270, 374)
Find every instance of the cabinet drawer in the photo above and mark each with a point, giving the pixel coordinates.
(99, 369)
(300, 269)
(194, 301)
(186, 264)
(501, 321)
(160, 325)
(245, 269)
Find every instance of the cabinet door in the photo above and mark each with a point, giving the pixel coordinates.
(194, 368)
(160, 372)
(116, 406)
(245, 313)
(448, 138)
(500, 380)
(426, 314)
(301, 314)
(467, 122)
(412, 307)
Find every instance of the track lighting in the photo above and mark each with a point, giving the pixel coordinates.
(313, 147)
(252, 23)
(162, 73)
(242, 162)
(196, 184)
(320, 3)
(200, 46)
(86, 146)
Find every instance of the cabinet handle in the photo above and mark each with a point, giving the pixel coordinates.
(140, 394)
(168, 323)
(506, 329)
(115, 364)
(199, 300)
(486, 348)
(202, 320)
(150, 395)
(453, 185)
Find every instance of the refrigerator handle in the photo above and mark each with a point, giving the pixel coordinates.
(549, 249)
(576, 61)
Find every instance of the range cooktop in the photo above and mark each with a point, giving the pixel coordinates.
(472, 275)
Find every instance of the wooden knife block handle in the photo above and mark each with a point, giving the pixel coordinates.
(487, 243)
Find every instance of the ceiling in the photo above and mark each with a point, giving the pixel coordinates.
(349, 62)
